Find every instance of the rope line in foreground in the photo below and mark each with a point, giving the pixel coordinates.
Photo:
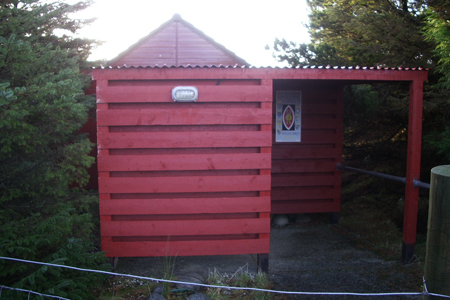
(157, 280)
(30, 292)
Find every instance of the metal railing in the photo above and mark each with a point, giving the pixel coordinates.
(417, 183)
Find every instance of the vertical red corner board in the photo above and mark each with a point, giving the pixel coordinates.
(184, 178)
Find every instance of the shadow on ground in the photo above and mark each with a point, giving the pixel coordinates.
(305, 257)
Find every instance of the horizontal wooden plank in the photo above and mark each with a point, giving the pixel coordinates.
(182, 116)
(280, 151)
(184, 227)
(184, 82)
(217, 93)
(320, 108)
(184, 162)
(184, 184)
(318, 122)
(123, 140)
(284, 193)
(163, 48)
(316, 74)
(281, 180)
(168, 217)
(324, 136)
(184, 206)
(299, 207)
(294, 166)
(186, 248)
(153, 174)
(185, 151)
(181, 129)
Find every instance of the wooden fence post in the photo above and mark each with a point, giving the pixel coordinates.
(437, 261)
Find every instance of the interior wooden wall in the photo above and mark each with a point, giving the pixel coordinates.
(304, 175)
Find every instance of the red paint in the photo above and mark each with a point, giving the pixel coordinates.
(180, 205)
(177, 42)
(231, 246)
(184, 173)
(216, 159)
(413, 162)
(304, 175)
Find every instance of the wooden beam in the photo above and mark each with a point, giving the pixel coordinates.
(412, 169)
(339, 74)
(175, 206)
(162, 94)
(184, 184)
(238, 161)
(149, 140)
(186, 248)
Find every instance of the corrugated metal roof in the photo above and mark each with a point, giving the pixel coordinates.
(253, 67)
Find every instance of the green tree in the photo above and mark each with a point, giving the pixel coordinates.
(437, 30)
(42, 107)
(364, 32)
(388, 33)
(379, 33)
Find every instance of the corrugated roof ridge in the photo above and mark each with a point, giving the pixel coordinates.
(328, 67)
(357, 67)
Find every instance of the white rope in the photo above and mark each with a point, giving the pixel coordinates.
(432, 294)
(225, 287)
(30, 292)
(425, 286)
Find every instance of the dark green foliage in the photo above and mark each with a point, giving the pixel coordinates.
(59, 235)
(391, 33)
(383, 33)
(437, 31)
(371, 32)
(365, 33)
(307, 54)
(42, 107)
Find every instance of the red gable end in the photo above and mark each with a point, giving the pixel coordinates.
(177, 43)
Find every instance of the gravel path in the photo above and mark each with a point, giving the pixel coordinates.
(306, 257)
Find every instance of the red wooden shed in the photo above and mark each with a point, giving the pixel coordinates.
(202, 177)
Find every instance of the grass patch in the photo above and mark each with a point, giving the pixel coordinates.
(240, 279)
(371, 228)
(372, 210)
(123, 288)
(376, 227)
(372, 213)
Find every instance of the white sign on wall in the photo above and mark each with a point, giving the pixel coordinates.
(288, 116)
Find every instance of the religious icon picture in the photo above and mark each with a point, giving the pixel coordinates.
(288, 116)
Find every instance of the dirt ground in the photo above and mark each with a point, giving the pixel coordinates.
(305, 257)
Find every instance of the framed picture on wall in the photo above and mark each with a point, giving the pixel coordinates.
(288, 116)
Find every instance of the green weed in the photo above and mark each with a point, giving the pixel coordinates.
(241, 278)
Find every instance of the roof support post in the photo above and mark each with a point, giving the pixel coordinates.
(412, 170)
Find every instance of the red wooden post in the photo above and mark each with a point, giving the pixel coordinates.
(263, 258)
(412, 169)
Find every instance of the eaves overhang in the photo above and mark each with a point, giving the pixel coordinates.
(345, 74)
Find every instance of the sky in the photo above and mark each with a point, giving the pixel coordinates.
(244, 27)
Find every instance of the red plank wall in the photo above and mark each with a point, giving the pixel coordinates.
(184, 178)
(304, 174)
